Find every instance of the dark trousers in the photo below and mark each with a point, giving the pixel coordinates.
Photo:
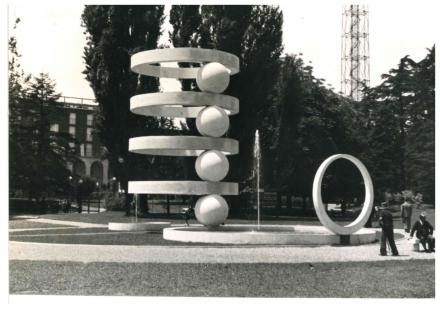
(428, 240)
(387, 235)
(407, 223)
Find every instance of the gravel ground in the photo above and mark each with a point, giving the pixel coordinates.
(206, 253)
(387, 279)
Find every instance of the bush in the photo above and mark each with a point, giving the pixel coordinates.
(115, 202)
(22, 205)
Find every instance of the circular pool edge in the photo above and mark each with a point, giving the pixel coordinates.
(297, 235)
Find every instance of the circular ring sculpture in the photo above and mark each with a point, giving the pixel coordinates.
(186, 104)
(142, 62)
(211, 110)
(360, 221)
(181, 145)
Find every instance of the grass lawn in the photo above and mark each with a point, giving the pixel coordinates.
(385, 279)
(97, 236)
(25, 224)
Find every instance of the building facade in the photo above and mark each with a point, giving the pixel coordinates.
(76, 116)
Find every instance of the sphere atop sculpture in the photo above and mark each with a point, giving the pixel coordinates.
(212, 165)
(211, 210)
(212, 121)
(213, 77)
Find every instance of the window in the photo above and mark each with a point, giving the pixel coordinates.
(55, 127)
(89, 136)
(72, 118)
(89, 120)
(81, 150)
(72, 131)
(89, 150)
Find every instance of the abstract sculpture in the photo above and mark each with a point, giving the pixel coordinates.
(360, 221)
(211, 110)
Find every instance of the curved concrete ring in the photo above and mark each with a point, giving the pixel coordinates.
(138, 226)
(189, 103)
(360, 221)
(142, 62)
(183, 187)
(181, 146)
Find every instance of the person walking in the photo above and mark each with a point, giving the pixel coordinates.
(188, 214)
(424, 232)
(386, 223)
(418, 199)
(406, 213)
(343, 207)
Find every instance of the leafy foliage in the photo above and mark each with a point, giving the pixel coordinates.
(399, 116)
(37, 155)
(114, 34)
(254, 34)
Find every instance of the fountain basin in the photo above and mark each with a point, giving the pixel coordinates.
(138, 226)
(266, 235)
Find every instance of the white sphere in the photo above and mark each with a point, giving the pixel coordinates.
(211, 210)
(212, 165)
(213, 77)
(212, 121)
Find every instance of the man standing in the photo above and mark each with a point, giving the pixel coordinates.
(424, 231)
(386, 222)
(406, 214)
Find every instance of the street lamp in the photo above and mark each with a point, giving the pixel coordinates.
(79, 195)
(112, 184)
(69, 200)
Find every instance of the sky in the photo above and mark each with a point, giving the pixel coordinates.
(51, 39)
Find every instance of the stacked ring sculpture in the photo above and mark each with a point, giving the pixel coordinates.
(145, 62)
(181, 145)
(185, 104)
(211, 110)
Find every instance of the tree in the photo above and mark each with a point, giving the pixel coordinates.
(17, 85)
(50, 149)
(253, 33)
(308, 123)
(186, 21)
(420, 146)
(114, 34)
(399, 127)
(38, 156)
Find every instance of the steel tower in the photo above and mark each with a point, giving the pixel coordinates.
(355, 51)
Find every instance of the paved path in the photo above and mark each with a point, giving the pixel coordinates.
(72, 223)
(202, 254)
(43, 229)
(167, 254)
